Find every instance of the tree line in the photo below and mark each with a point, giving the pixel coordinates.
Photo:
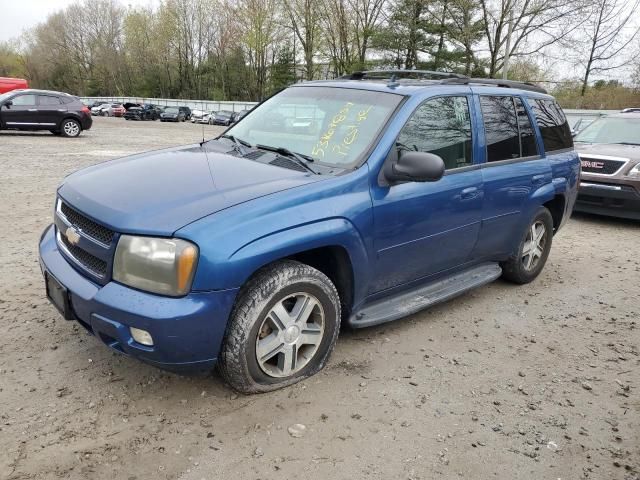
(247, 49)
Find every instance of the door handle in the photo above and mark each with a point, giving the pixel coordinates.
(468, 193)
(32, 110)
(537, 180)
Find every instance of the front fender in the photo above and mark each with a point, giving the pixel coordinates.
(333, 232)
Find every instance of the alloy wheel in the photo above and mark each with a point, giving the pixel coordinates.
(290, 335)
(534, 245)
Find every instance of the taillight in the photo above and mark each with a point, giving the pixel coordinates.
(85, 109)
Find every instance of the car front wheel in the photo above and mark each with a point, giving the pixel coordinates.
(282, 329)
(70, 128)
(533, 249)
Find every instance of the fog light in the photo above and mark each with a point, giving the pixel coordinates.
(141, 336)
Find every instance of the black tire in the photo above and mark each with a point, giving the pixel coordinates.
(104, 113)
(515, 269)
(238, 362)
(70, 128)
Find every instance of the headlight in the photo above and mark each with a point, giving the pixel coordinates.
(634, 172)
(159, 265)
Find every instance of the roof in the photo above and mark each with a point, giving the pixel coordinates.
(35, 90)
(409, 82)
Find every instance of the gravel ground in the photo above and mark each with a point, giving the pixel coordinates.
(539, 381)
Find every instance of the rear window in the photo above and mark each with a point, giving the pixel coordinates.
(554, 128)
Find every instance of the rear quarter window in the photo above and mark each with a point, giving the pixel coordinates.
(553, 125)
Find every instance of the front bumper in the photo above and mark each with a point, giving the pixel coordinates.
(616, 200)
(187, 331)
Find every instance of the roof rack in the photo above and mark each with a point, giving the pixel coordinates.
(496, 82)
(438, 77)
(401, 74)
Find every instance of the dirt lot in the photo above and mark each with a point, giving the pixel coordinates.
(539, 381)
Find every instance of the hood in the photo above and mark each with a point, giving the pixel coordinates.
(626, 152)
(159, 192)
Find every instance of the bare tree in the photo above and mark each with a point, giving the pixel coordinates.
(304, 17)
(605, 36)
(536, 24)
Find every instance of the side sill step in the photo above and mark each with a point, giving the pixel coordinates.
(412, 301)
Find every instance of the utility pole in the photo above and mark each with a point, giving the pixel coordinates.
(505, 65)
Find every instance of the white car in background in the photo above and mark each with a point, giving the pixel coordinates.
(196, 115)
(104, 110)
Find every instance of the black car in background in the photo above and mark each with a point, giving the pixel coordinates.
(175, 114)
(30, 109)
(143, 112)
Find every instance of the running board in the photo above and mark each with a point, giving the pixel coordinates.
(419, 298)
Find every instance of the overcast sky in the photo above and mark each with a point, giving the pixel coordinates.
(19, 15)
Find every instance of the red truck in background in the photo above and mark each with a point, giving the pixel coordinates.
(7, 84)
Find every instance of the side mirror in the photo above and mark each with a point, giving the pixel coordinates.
(413, 166)
(7, 104)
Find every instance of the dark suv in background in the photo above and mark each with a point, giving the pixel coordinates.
(609, 152)
(60, 113)
(143, 112)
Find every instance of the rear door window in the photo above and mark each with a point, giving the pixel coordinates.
(527, 135)
(553, 125)
(500, 128)
(47, 100)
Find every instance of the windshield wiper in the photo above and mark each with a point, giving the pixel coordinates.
(238, 141)
(628, 143)
(300, 158)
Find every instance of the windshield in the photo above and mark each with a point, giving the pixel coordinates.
(611, 130)
(171, 110)
(335, 126)
(224, 113)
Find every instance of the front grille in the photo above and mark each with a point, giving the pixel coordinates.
(287, 163)
(87, 226)
(90, 262)
(601, 166)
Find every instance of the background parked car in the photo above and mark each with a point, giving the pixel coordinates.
(60, 113)
(7, 84)
(187, 112)
(144, 112)
(173, 114)
(104, 109)
(117, 110)
(223, 117)
(196, 116)
(237, 116)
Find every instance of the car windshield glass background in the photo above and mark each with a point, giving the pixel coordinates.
(528, 146)
(501, 128)
(611, 130)
(554, 128)
(441, 126)
(335, 126)
(171, 110)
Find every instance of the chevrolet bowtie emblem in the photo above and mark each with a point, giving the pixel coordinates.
(72, 235)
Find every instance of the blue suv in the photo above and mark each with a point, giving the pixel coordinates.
(351, 202)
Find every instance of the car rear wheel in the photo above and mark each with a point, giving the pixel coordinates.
(533, 250)
(104, 113)
(70, 128)
(282, 329)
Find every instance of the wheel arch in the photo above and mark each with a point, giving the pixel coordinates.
(556, 207)
(333, 247)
